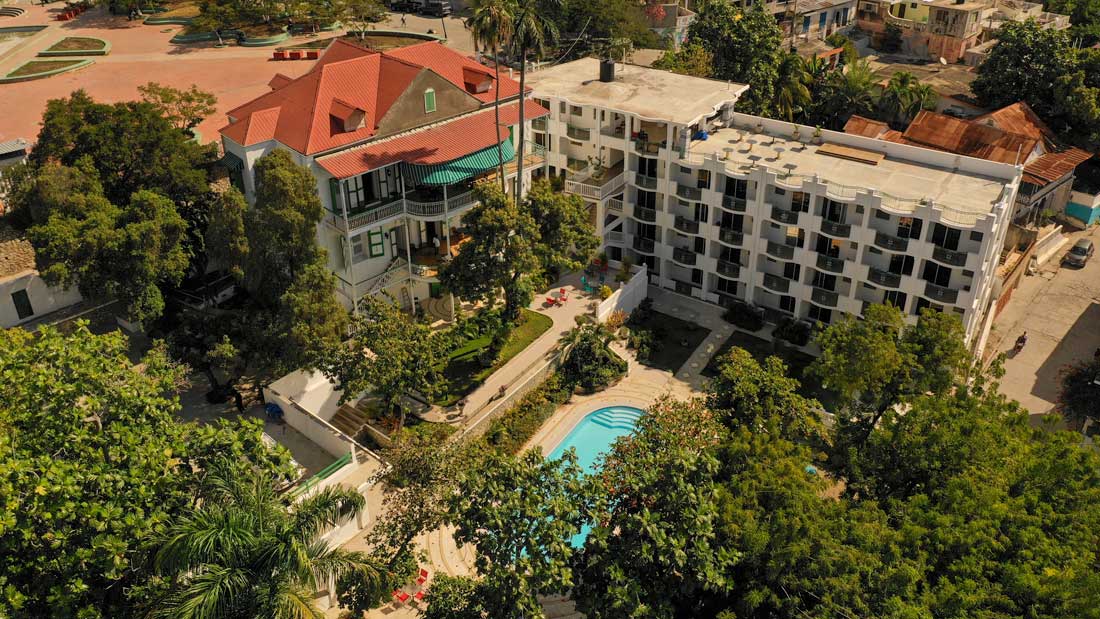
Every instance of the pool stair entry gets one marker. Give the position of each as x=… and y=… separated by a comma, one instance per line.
x=616, y=419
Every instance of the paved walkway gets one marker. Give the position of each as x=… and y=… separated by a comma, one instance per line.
x=1060, y=309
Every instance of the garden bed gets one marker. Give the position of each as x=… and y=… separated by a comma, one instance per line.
x=464, y=372
x=796, y=360
x=378, y=42
x=77, y=46
x=672, y=339
x=39, y=69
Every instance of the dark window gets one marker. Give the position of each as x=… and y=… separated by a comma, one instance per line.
x=702, y=212
x=647, y=199
x=909, y=228
x=727, y=286
x=728, y=254
x=947, y=238
x=786, y=303
x=880, y=214
x=820, y=314
x=22, y=304
x=834, y=211
x=697, y=277
x=976, y=236
x=901, y=265
x=823, y=280
x=895, y=298
x=800, y=201
x=737, y=188
x=647, y=166
x=937, y=274
x=791, y=270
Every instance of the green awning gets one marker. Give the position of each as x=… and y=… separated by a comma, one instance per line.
x=232, y=162
x=460, y=169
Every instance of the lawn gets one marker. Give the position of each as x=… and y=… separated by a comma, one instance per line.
x=76, y=44
x=761, y=349
x=464, y=372
x=673, y=340
x=41, y=66
x=181, y=9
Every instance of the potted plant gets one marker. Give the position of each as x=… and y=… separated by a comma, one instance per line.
x=795, y=134
x=817, y=134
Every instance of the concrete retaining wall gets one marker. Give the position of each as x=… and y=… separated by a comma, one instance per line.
x=627, y=297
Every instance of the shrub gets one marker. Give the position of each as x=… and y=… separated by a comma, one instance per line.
x=590, y=364
x=745, y=316
x=510, y=431
x=794, y=331
x=606, y=292
x=641, y=340
x=616, y=320
x=642, y=313
x=624, y=273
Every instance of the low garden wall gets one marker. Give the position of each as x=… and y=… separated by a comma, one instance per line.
x=103, y=51
x=627, y=297
x=9, y=79
x=398, y=33
x=229, y=35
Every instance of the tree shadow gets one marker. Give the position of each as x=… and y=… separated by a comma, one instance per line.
x=1078, y=343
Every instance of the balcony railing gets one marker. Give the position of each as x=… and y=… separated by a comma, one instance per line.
x=683, y=224
x=439, y=208
x=947, y=256
x=688, y=192
x=783, y=215
x=644, y=214
x=884, y=278
x=369, y=217
x=539, y=124
x=595, y=189
x=832, y=228
x=645, y=182
x=729, y=269
x=646, y=147
x=830, y=264
x=734, y=203
x=684, y=256
x=578, y=133
x=891, y=242
x=776, y=283
x=615, y=204
x=730, y=237
x=615, y=237
x=643, y=244
x=940, y=293
x=824, y=297
x=779, y=250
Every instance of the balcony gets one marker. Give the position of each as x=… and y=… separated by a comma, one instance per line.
x=369, y=217
x=734, y=203
x=828, y=298
x=891, y=242
x=645, y=182
x=941, y=293
x=688, y=192
x=830, y=264
x=615, y=204
x=648, y=147
x=644, y=214
x=884, y=278
x=776, y=283
x=730, y=237
x=688, y=226
x=421, y=204
x=614, y=237
x=947, y=256
x=643, y=245
x=779, y=250
x=785, y=216
x=539, y=124
x=729, y=269
x=597, y=185
x=684, y=256
x=837, y=230
x=578, y=134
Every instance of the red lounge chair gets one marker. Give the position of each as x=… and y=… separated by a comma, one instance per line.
x=419, y=597
x=400, y=597
x=279, y=55
x=423, y=576
x=313, y=54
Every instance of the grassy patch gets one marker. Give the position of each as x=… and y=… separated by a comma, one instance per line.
x=673, y=340
x=76, y=44
x=41, y=66
x=181, y=9
x=761, y=349
x=259, y=31
x=464, y=371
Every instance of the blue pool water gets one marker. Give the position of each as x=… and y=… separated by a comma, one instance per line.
x=592, y=437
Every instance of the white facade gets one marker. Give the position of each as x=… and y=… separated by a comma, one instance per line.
x=28, y=291
x=758, y=214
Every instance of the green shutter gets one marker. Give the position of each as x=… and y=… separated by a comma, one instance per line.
x=334, y=192
x=376, y=243
x=429, y=101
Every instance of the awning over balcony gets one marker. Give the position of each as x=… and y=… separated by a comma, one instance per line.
x=460, y=169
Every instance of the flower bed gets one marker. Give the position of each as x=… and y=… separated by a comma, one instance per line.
x=77, y=46
x=39, y=69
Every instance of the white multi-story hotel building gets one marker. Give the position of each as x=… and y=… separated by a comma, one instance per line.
x=723, y=206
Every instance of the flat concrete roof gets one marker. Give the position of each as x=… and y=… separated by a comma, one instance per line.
x=650, y=93
x=908, y=180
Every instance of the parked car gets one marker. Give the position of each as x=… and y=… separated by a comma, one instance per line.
x=405, y=6
x=437, y=8
x=1080, y=253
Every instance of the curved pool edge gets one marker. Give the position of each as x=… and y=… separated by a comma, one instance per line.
x=562, y=422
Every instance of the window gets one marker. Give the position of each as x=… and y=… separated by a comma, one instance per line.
x=786, y=303
x=822, y=17
x=730, y=255
x=703, y=179
x=648, y=199
x=976, y=236
x=880, y=214
x=895, y=298
x=356, y=192
x=909, y=228
x=820, y=314
x=702, y=211
x=823, y=280
x=834, y=211
x=936, y=274
x=376, y=243
x=806, y=24
x=22, y=304
x=429, y=101
x=901, y=265
x=947, y=238
x=727, y=286
x=697, y=277
x=575, y=110
x=800, y=201
x=358, y=248
x=791, y=270
x=736, y=187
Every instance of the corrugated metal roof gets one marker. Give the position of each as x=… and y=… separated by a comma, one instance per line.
x=1055, y=165
x=868, y=128
x=432, y=145
x=1018, y=118
x=968, y=138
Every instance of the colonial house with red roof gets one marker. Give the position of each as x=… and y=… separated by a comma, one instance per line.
x=396, y=141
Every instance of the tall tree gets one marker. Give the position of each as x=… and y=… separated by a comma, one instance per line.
x=1079, y=396
x=531, y=30
x=1025, y=64
x=691, y=59
x=390, y=355
x=94, y=462
x=842, y=93
x=185, y=109
x=520, y=514
x=244, y=551
x=490, y=23
x=566, y=239
x=792, y=91
x=360, y=14
x=745, y=44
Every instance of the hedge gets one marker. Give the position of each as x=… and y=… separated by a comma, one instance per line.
x=511, y=431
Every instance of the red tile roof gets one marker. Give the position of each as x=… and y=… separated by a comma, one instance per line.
x=866, y=127
x=359, y=78
x=968, y=138
x=437, y=144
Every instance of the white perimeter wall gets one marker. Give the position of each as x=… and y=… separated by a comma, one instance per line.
x=627, y=297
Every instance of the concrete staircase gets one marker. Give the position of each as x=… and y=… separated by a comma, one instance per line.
x=349, y=420
x=11, y=11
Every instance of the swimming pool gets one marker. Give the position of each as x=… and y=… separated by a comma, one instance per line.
x=593, y=437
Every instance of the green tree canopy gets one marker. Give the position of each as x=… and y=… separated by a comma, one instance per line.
x=93, y=463
x=184, y=109
x=745, y=45
x=566, y=240
x=691, y=59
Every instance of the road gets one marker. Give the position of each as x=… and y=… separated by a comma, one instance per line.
x=1059, y=308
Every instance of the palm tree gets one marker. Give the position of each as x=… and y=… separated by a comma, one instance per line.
x=244, y=551
x=531, y=31
x=792, y=88
x=896, y=99
x=491, y=25
x=854, y=92
x=922, y=97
